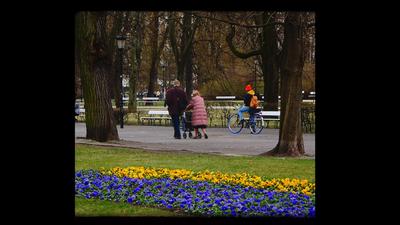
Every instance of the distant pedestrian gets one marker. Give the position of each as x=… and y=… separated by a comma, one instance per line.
x=199, y=114
x=176, y=101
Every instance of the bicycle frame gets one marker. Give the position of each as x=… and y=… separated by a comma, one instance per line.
x=246, y=123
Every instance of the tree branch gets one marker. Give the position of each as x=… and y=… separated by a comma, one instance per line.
x=267, y=24
x=229, y=40
x=172, y=38
x=190, y=39
x=164, y=38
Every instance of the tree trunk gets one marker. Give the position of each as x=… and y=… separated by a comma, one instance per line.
x=185, y=50
x=189, y=73
x=180, y=69
x=136, y=61
x=94, y=62
x=78, y=83
x=155, y=54
x=270, y=66
x=188, y=55
x=115, y=73
x=290, y=134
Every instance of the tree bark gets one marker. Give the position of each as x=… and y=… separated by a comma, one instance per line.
x=153, y=62
x=270, y=66
x=114, y=78
x=189, y=74
x=155, y=54
x=185, y=50
x=174, y=46
x=242, y=55
x=290, y=134
x=136, y=60
x=188, y=53
x=94, y=63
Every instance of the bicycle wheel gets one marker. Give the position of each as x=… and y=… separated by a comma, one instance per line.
x=258, y=126
x=234, y=124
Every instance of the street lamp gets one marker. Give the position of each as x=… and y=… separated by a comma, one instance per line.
x=121, y=44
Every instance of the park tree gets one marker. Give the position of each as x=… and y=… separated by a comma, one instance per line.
x=136, y=57
x=289, y=62
x=290, y=133
x=215, y=67
x=182, y=29
x=156, y=48
x=266, y=54
x=116, y=23
x=94, y=61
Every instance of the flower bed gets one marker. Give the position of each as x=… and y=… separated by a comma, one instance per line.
x=283, y=185
x=193, y=196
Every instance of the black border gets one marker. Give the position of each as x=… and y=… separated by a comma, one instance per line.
x=61, y=70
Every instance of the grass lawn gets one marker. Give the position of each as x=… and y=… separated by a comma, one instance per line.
x=93, y=157
x=95, y=207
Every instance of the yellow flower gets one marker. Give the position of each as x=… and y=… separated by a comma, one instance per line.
x=244, y=179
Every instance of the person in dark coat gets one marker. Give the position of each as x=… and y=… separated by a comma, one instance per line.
x=176, y=101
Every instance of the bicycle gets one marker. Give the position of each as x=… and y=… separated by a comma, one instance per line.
x=235, y=126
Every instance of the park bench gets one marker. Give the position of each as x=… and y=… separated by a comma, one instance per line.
x=309, y=97
x=270, y=116
x=216, y=107
x=225, y=97
x=156, y=116
x=148, y=101
x=81, y=116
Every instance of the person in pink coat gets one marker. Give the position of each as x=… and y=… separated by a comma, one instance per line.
x=199, y=114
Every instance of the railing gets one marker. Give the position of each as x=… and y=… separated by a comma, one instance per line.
x=217, y=111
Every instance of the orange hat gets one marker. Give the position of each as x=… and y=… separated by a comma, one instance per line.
x=248, y=87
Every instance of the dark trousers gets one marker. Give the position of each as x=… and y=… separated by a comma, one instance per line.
x=175, y=123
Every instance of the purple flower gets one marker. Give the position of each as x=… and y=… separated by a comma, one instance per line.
x=194, y=196
x=130, y=199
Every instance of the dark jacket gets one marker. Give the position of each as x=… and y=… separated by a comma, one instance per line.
x=176, y=101
x=247, y=99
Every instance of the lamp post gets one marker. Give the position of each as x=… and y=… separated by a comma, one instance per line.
x=121, y=44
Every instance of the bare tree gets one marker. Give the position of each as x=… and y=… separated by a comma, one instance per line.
x=156, y=49
x=137, y=40
x=290, y=134
x=184, y=53
x=94, y=62
x=115, y=23
x=266, y=54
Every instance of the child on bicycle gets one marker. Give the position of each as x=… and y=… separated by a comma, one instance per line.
x=246, y=107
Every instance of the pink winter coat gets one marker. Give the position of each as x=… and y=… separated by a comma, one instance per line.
x=199, y=114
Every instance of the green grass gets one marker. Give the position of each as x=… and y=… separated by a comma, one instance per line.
x=93, y=157
x=95, y=207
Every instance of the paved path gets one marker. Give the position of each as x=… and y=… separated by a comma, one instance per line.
x=220, y=141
